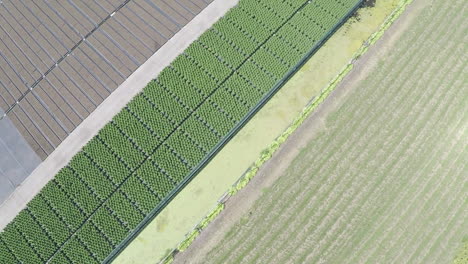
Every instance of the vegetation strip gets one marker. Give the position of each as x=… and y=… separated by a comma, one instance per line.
x=136, y=164
x=462, y=255
x=268, y=153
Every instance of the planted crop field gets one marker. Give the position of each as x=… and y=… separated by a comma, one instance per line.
x=381, y=170
x=129, y=171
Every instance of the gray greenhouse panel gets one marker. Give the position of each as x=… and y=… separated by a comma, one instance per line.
x=60, y=59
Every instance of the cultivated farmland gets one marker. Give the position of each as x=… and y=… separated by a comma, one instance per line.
x=136, y=163
x=382, y=178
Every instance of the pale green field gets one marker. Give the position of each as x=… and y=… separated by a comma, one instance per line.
x=462, y=255
x=384, y=180
x=199, y=197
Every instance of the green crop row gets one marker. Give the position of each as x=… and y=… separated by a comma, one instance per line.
x=164, y=133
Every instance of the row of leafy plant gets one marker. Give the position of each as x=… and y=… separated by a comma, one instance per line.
x=166, y=131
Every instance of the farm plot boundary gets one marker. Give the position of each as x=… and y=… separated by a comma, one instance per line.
x=270, y=237
x=133, y=156
x=220, y=145
x=268, y=153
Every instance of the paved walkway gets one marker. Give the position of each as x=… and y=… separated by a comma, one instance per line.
x=17, y=159
x=110, y=107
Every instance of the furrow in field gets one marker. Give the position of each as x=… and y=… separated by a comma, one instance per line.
x=368, y=230
x=382, y=238
x=286, y=232
x=443, y=252
x=404, y=232
x=439, y=251
x=355, y=248
x=300, y=190
x=379, y=130
x=349, y=184
x=420, y=226
x=417, y=241
x=338, y=254
x=433, y=229
x=361, y=243
x=402, y=227
x=404, y=140
x=365, y=110
x=391, y=68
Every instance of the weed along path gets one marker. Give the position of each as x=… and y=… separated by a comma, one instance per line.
x=378, y=173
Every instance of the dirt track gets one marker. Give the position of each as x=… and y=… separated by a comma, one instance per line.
x=346, y=187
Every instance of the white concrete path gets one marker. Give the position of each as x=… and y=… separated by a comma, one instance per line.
x=110, y=107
